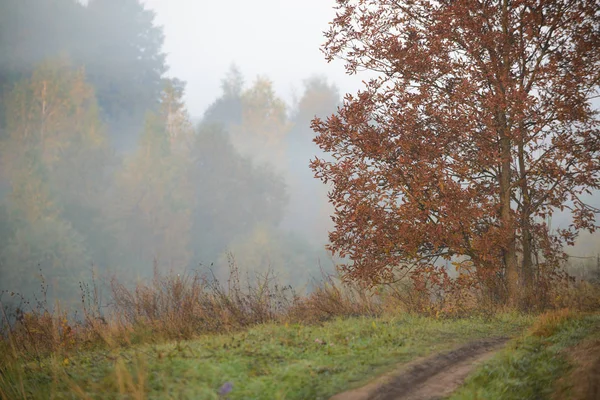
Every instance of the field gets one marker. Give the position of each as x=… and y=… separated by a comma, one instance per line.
x=335, y=342
x=271, y=361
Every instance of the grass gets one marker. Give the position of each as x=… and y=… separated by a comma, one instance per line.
x=187, y=336
x=270, y=361
x=531, y=366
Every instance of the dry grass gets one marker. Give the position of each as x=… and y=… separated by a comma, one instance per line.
x=549, y=322
x=332, y=298
x=579, y=295
x=171, y=307
x=184, y=306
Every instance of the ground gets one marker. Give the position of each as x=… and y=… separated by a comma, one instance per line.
x=509, y=356
x=432, y=377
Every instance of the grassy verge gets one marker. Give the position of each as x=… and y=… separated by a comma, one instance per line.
x=532, y=366
x=270, y=361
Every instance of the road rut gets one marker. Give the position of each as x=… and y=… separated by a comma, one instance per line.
x=434, y=377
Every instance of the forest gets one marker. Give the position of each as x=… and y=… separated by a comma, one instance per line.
x=103, y=168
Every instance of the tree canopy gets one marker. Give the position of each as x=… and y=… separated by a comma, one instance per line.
x=478, y=127
x=125, y=63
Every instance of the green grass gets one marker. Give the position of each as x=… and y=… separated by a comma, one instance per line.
x=529, y=367
x=266, y=362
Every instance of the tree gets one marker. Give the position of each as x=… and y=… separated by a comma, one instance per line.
x=233, y=194
x=52, y=155
x=227, y=109
x=30, y=33
x=265, y=249
x=478, y=126
x=264, y=126
x=153, y=215
x=125, y=62
x=115, y=40
x=54, y=129
x=309, y=210
x=319, y=98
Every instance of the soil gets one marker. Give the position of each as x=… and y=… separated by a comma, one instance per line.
x=430, y=378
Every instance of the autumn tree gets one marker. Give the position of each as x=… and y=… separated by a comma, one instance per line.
x=30, y=33
x=263, y=127
x=152, y=217
x=116, y=41
x=52, y=154
x=478, y=126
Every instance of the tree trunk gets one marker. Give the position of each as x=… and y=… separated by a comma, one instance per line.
x=526, y=238
x=506, y=219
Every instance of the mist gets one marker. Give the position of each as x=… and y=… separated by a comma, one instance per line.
x=114, y=165
x=166, y=136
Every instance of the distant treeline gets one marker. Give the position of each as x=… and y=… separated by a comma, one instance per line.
x=100, y=164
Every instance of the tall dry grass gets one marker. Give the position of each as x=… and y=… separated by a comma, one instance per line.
x=181, y=306
x=170, y=307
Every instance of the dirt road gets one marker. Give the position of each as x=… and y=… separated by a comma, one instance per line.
x=430, y=378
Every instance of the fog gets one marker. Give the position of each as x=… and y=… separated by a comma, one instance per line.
x=167, y=136
x=278, y=39
x=170, y=135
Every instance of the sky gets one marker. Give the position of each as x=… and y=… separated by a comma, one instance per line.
x=280, y=39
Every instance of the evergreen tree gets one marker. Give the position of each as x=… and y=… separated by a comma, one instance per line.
x=227, y=109
x=234, y=195
x=125, y=62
